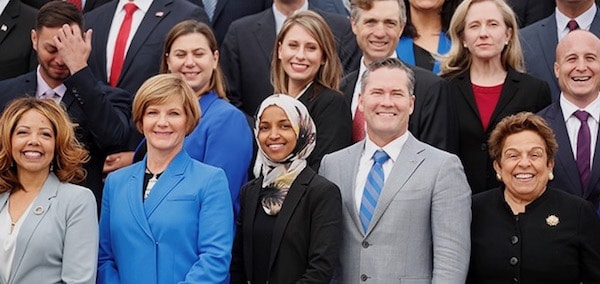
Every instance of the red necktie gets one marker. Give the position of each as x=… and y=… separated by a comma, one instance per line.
x=120, y=44
x=572, y=25
x=358, y=126
x=77, y=3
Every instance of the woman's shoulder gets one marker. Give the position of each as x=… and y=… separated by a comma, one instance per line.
x=318, y=183
x=75, y=193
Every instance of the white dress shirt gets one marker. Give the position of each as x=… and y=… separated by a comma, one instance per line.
x=280, y=17
x=573, y=124
x=365, y=163
x=138, y=15
x=584, y=21
x=43, y=87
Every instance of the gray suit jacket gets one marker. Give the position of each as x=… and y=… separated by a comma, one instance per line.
x=58, y=240
x=539, y=42
x=420, y=231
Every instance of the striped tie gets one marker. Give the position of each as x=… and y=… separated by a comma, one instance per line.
x=372, y=189
x=209, y=7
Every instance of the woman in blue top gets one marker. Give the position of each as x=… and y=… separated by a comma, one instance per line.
x=223, y=138
x=424, y=36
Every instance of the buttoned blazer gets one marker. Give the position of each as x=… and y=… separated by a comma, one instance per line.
x=58, y=240
x=432, y=120
x=420, y=230
x=17, y=56
x=566, y=174
x=183, y=232
x=539, y=42
x=100, y=112
x=144, y=54
x=520, y=92
x=247, y=51
x=305, y=235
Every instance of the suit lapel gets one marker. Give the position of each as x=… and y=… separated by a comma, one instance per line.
x=509, y=90
x=39, y=209
x=297, y=190
x=548, y=37
x=167, y=182
x=101, y=38
x=250, y=203
x=158, y=10
x=466, y=91
x=265, y=33
x=595, y=174
x=348, y=180
x=8, y=18
x=348, y=89
x=564, y=158
x=134, y=197
x=218, y=10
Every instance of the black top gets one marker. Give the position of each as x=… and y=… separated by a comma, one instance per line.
x=262, y=235
x=423, y=58
x=557, y=240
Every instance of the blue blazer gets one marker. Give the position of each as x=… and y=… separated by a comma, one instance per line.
x=58, y=239
x=566, y=175
x=182, y=233
x=223, y=139
x=406, y=51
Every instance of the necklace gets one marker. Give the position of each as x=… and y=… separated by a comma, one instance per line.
x=151, y=182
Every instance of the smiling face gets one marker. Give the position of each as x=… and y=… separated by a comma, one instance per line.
x=191, y=57
x=577, y=67
x=377, y=30
x=33, y=141
x=276, y=135
x=300, y=55
x=164, y=126
x=524, y=165
x=486, y=33
x=386, y=103
x=52, y=67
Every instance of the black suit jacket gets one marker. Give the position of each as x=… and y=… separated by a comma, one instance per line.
x=531, y=11
x=333, y=119
x=17, y=56
x=521, y=92
x=145, y=52
x=100, y=112
x=88, y=6
x=305, y=239
x=432, y=120
x=566, y=175
x=247, y=51
x=228, y=11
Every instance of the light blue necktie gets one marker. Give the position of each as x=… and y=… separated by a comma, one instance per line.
x=372, y=189
x=209, y=7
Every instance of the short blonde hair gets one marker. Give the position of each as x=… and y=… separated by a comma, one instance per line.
x=459, y=59
x=165, y=88
x=69, y=153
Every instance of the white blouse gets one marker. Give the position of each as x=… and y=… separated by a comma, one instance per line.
x=8, y=239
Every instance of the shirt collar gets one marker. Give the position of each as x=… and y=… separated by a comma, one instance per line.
x=584, y=20
x=568, y=108
x=42, y=86
x=393, y=148
x=142, y=5
x=280, y=17
x=3, y=4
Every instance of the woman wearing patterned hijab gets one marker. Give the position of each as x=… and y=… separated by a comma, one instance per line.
x=289, y=221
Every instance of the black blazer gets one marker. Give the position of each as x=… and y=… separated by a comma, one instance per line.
x=333, y=119
x=100, y=112
x=17, y=56
x=566, y=175
x=305, y=236
x=521, y=92
x=247, y=51
x=531, y=11
x=432, y=121
x=228, y=11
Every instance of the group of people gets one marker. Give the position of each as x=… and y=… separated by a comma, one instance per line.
x=366, y=167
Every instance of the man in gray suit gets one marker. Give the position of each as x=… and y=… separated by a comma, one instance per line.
x=406, y=217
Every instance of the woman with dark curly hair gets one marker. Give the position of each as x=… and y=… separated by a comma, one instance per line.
x=48, y=226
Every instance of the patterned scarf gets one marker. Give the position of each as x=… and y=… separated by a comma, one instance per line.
x=278, y=176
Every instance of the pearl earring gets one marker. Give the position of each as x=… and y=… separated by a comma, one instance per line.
x=498, y=177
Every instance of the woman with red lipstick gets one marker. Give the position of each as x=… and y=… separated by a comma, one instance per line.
x=48, y=226
x=288, y=228
x=306, y=66
x=525, y=232
x=224, y=138
x=485, y=72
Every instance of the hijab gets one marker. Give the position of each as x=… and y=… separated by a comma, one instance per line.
x=278, y=176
